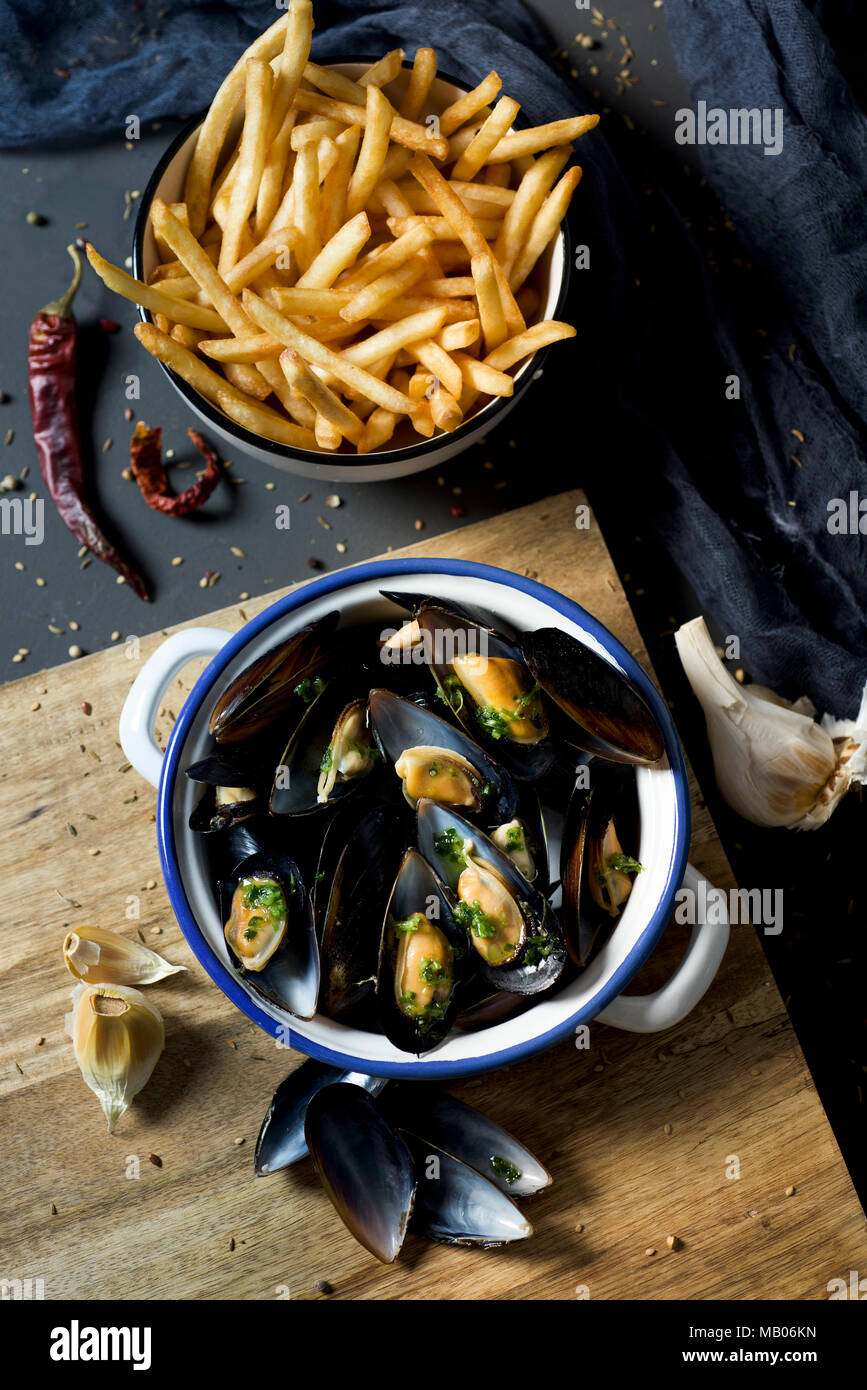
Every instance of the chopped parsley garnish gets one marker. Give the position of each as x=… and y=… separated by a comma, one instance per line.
x=407, y=1000
x=263, y=895
x=495, y=722
x=433, y=769
x=624, y=864
x=252, y=929
x=449, y=845
x=308, y=689
x=406, y=924
x=475, y=919
x=514, y=839
x=431, y=971
x=504, y=1169
x=538, y=949
x=528, y=697
x=453, y=693
x=325, y=765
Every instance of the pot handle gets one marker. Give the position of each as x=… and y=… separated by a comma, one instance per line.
x=650, y=1013
x=148, y=689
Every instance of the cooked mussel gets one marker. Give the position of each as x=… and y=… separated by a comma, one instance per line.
x=420, y=959
x=440, y=1118
x=270, y=685
x=362, y=883
x=281, y=1140
x=482, y=677
x=366, y=1167
x=268, y=926
x=606, y=713
x=436, y=760
x=329, y=754
x=598, y=862
x=511, y=926
x=234, y=778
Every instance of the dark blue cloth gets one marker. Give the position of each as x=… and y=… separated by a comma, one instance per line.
x=667, y=313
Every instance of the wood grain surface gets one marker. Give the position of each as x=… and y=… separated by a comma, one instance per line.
x=639, y=1132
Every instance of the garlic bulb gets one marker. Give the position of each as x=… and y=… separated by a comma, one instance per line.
x=117, y=1036
x=98, y=956
x=774, y=764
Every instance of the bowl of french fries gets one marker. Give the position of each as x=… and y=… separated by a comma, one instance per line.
x=350, y=271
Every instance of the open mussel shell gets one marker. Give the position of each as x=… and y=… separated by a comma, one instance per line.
x=286, y=973
x=482, y=678
x=220, y=807
x=524, y=839
x=235, y=779
x=281, y=1140
x=435, y=759
x=421, y=959
x=366, y=1167
x=330, y=754
x=360, y=889
x=456, y=1205
x=436, y=1117
x=600, y=839
x=481, y=1007
x=267, y=687
x=606, y=714
x=514, y=932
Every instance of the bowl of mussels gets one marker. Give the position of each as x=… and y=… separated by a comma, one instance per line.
x=420, y=819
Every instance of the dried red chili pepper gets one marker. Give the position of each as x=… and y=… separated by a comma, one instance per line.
x=51, y=376
x=150, y=474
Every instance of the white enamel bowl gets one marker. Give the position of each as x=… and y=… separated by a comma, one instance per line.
x=408, y=452
x=662, y=791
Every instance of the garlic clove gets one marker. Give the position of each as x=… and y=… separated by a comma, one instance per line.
x=774, y=764
x=98, y=956
x=117, y=1036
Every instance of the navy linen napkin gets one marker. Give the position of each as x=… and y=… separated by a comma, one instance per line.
x=665, y=318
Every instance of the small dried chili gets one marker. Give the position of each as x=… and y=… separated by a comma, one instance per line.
x=149, y=472
x=51, y=375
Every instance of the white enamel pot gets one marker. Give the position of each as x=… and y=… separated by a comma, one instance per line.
x=596, y=994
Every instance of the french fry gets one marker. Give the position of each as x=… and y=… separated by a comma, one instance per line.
x=271, y=185
x=298, y=300
x=541, y=137
x=252, y=349
x=489, y=301
x=378, y=429
x=454, y=336
x=403, y=132
x=314, y=131
x=438, y=362
x=178, y=310
x=293, y=59
x=545, y=226
x=498, y=176
x=333, y=84
x=384, y=71
x=481, y=376
x=445, y=410
x=332, y=203
x=277, y=324
x=214, y=387
x=180, y=212
x=527, y=343
x=424, y=70
x=456, y=310
x=374, y=145
x=324, y=401
x=449, y=204
x=470, y=104
x=328, y=436
x=260, y=419
x=418, y=202
x=390, y=256
x=412, y=329
x=340, y=252
x=531, y=193
x=495, y=127
x=212, y=133
x=448, y=287
x=190, y=337
x=251, y=161
x=443, y=228
x=368, y=302
x=305, y=212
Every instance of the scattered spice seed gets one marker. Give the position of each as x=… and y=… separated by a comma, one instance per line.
x=115, y=637
x=798, y=435
x=790, y=1191
x=19, y=565
x=74, y=627
x=93, y=852
x=19, y=1069
x=650, y=1250
x=332, y=500
x=86, y=707
x=35, y=219
x=178, y=560
x=151, y=883
x=109, y=326
x=239, y=1141
x=666, y=1129
x=579, y=1228
x=341, y=547
x=17, y=657
x=796, y=460
x=418, y=524
x=270, y=486
x=155, y=1160
x=323, y=522
x=128, y=414
x=673, y=1242
x=237, y=551
x=458, y=510
x=315, y=564
x=53, y=1209
x=156, y=931
x=10, y=435
x=231, y=1242
x=71, y=828
x=323, y=1286
x=107, y=445
x=35, y=706
x=305, y=498
x=233, y=1045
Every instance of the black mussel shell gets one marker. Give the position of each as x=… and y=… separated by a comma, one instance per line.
x=297, y=779
x=337, y=832
x=437, y=1117
x=399, y=724
x=267, y=688
x=359, y=891
x=485, y=1008
x=606, y=713
x=611, y=795
x=447, y=635
x=541, y=956
x=456, y=1205
x=290, y=979
x=210, y=815
x=417, y=891
x=281, y=1140
x=365, y=1167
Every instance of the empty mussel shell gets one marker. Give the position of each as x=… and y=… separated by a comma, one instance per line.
x=421, y=959
x=365, y=1167
x=606, y=714
x=456, y=1205
x=270, y=685
x=437, y=760
x=482, y=677
x=221, y=807
x=439, y=1118
x=268, y=925
x=281, y=1140
x=598, y=852
x=329, y=755
x=514, y=931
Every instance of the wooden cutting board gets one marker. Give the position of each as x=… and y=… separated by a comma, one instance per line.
x=695, y=1133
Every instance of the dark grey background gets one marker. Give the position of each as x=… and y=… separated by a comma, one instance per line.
x=533, y=454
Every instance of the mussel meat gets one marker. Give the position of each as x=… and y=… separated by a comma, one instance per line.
x=597, y=861
x=268, y=926
x=329, y=754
